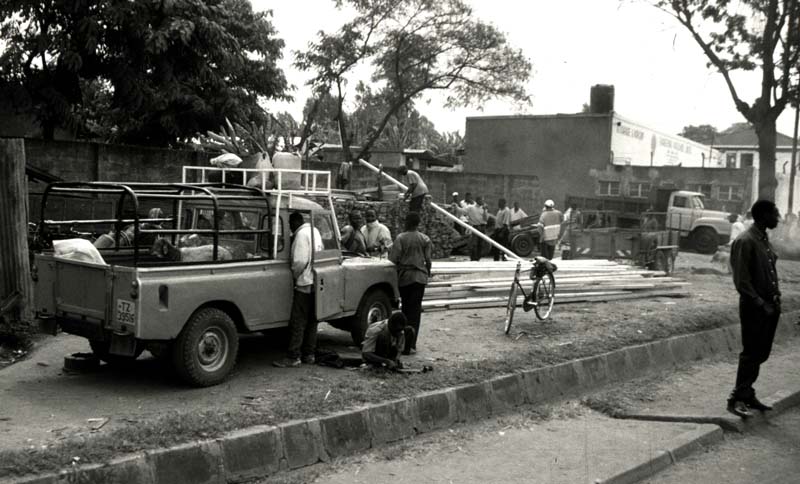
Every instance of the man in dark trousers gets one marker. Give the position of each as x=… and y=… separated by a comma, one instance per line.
x=302, y=320
x=417, y=189
x=411, y=253
x=756, y=280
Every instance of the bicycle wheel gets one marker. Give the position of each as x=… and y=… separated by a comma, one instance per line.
x=511, y=305
x=544, y=295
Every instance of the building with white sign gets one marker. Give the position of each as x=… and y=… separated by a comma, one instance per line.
x=635, y=144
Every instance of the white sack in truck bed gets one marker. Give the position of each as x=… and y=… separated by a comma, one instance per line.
x=77, y=249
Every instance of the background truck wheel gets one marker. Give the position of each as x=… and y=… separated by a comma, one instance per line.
x=522, y=244
x=374, y=306
x=705, y=240
x=100, y=350
x=205, y=351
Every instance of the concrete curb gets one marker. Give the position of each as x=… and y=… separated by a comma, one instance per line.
x=679, y=448
x=265, y=450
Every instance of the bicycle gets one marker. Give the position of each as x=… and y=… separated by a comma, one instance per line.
x=542, y=295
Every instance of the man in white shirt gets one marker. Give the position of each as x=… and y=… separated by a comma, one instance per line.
x=737, y=227
x=516, y=215
x=377, y=236
x=477, y=216
x=302, y=321
x=417, y=189
x=502, y=224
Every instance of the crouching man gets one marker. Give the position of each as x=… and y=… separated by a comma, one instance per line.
x=385, y=340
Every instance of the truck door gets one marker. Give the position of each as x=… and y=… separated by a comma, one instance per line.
x=327, y=268
x=680, y=213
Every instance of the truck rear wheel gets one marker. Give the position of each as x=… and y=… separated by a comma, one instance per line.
x=206, y=349
x=705, y=240
x=374, y=306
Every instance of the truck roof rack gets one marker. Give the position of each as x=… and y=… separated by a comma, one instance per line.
x=177, y=193
x=275, y=181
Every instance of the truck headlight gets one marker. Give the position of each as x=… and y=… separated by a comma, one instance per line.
x=134, y=289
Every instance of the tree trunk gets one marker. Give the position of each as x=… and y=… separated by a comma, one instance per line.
x=767, y=137
x=14, y=264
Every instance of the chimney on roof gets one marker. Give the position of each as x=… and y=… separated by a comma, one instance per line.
x=601, y=99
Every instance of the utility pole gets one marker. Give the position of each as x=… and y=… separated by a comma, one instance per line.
x=793, y=168
x=16, y=288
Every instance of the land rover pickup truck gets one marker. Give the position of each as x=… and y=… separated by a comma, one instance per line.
x=193, y=311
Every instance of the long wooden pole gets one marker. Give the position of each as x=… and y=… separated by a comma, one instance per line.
x=443, y=211
x=14, y=264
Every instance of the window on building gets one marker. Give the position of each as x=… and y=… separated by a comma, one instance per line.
x=730, y=192
x=639, y=190
x=609, y=188
x=703, y=188
x=730, y=160
x=746, y=160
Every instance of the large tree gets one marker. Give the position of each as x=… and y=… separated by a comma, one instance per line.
x=750, y=35
x=413, y=47
x=149, y=71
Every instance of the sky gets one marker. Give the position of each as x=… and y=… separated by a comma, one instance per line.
x=659, y=73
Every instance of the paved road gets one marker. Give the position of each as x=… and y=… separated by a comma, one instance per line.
x=767, y=455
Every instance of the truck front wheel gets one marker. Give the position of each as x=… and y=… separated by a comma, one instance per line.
x=205, y=351
x=705, y=240
x=374, y=306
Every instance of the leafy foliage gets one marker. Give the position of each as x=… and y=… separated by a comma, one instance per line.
x=704, y=133
x=150, y=71
x=750, y=35
x=413, y=46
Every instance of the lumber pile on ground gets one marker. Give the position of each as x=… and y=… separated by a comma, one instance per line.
x=457, y=285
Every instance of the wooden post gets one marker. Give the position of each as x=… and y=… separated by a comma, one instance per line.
x=14, y=266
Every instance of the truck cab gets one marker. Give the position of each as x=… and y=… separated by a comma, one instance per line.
x=706, y=229
x=224, y=271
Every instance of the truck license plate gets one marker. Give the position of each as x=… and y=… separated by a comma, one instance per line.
x=126, y=312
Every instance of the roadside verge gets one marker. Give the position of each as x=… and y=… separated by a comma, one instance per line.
x=266, y=450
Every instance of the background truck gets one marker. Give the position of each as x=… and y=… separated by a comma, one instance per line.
x=192, y=312
x=679, y=210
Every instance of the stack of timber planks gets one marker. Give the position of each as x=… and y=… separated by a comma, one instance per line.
x=457, y=285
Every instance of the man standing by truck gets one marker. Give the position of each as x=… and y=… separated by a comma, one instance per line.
x=756, y=280
x=303, y=318
x=550, y=224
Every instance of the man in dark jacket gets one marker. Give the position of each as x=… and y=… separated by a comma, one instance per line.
x=756, y=280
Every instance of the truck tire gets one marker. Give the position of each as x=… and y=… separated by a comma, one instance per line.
x=206, y=349
x=100, y=348
x=522, y=245
x=374, y=306
x=705, y=240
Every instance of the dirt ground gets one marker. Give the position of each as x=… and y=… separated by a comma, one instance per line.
x=50, y=416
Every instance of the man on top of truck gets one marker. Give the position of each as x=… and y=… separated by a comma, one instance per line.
x=303, y=320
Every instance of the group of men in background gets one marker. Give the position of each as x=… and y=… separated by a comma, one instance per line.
x=501, y=227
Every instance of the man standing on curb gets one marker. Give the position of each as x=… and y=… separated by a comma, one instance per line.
x=756, y=280
x=303, y=318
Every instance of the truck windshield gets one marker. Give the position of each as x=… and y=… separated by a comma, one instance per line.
x=697, y=202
